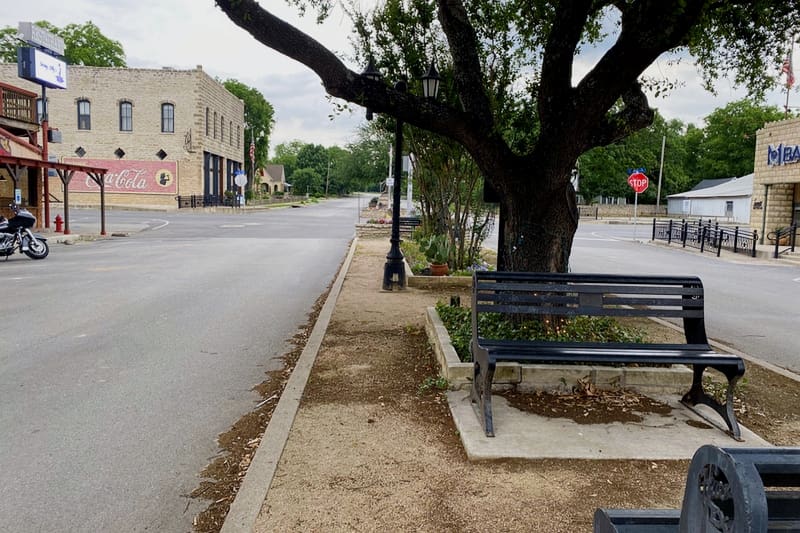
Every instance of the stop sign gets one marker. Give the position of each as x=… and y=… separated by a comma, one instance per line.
x=638, y=182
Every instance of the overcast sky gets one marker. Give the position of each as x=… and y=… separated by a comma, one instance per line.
x=185, y=33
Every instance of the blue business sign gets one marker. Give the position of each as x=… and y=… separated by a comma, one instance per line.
x=783, y=154
x=41, y=68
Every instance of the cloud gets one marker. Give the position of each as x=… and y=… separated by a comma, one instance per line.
x=185, y=33
x=302, y=110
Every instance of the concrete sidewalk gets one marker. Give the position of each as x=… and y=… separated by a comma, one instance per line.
x=520, y=435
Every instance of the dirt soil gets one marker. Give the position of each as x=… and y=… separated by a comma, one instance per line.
x=374, y=447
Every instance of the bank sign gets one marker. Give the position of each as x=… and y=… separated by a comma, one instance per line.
x=783, y=154
x=128, y=177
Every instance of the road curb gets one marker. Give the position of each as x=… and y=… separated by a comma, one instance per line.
x=247, y=505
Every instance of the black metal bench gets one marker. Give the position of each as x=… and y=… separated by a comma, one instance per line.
x=566, y=295
x=727, y=489
x=409, y=224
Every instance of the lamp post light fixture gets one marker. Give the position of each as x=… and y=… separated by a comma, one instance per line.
x=371, y=73
x=430, y=82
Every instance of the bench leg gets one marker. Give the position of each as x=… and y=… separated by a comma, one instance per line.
x=481, y=394
x=698, y=395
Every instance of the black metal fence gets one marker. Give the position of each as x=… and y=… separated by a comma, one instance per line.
x=706, y=235
x=785, y=237
x=208, y=200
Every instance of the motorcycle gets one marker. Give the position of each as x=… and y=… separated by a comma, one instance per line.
x=15, y=234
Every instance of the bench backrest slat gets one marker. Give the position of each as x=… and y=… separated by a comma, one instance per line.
x=583, y=311
x=557, y=294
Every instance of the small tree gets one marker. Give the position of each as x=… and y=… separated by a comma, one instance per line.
x=259, y=119
x=450, y=189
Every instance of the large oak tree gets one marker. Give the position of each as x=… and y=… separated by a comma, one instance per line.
x=742, y=38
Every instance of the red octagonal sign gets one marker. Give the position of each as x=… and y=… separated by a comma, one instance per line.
x=638, y=182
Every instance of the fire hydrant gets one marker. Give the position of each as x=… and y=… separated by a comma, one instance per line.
x=59, y=223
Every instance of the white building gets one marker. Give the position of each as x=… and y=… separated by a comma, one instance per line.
x=727, y=202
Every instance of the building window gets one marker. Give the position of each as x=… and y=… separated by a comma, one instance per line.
x=39, y=110
x=84, y=115
x=222, y=128
x=215, y=124
x=167, y=118
x=208, y=122
x=125, y=116
x=238, y=136
x=230, y=131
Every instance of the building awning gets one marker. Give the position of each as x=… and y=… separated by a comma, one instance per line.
x=8, y=160
x=15, y=165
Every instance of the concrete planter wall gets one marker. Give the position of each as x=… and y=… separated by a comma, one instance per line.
x=527, y=378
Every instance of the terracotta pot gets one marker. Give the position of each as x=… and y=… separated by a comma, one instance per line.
x=439, y=269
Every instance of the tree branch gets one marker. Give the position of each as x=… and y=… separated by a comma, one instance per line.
x=635, y=115
x=615, y=75
x=466, y=64
x=556, y=79
x=288, y=40
x=468, y=128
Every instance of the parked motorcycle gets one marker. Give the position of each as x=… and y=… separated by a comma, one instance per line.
x=15, y=234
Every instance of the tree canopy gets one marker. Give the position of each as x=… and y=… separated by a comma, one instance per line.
x=509, y=94
x=259, y=119
x=84, y=44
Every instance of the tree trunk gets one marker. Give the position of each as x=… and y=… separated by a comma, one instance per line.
x=539, y=225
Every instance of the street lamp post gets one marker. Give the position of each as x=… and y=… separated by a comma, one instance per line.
x=394, y=271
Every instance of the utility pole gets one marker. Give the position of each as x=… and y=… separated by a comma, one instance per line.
x=328, y=178
x=660, y=171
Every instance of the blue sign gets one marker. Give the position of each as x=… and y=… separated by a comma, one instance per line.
x=39, y=67
x=640, y=170
x=783, y=154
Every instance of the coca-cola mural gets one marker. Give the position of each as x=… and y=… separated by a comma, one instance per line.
x=123, y=176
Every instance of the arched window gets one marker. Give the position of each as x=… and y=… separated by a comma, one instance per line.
x=84, y=115
x=167, y=118
x=125, y=116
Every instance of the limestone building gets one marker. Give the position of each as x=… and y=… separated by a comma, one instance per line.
x=159, y=132
x=776, y=185
x=273, y=179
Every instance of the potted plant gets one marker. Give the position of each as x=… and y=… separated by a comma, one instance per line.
x=781, y=234
x=437, y=251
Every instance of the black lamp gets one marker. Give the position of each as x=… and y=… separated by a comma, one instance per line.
x=430, y=82
x=371, y=73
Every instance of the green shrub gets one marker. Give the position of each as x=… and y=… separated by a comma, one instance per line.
x=414, y=256
x=458, y=321
x=437, y=249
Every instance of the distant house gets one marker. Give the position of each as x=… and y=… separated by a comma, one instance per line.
x=725, y=199
x=273, y=179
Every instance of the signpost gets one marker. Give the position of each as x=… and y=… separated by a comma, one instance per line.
x=240, y=179
x=39, y=64
x=638, y=182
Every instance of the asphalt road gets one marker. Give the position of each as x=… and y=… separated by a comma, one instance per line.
x=122, y=360
x=751, y=304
